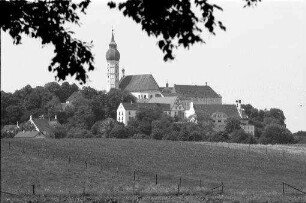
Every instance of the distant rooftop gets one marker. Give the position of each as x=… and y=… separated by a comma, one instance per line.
x=195, y=91
x=137, y=106
x=138, y=83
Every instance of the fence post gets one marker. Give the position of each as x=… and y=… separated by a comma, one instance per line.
x=155, y=179
x=33, y=189
x=134, y=175
x=200, y=183
x=283, y=188
x=178, y=189
x=222, y=187
x=180, y=182
x=86, y=164
x=266, y=150
x=69, y=160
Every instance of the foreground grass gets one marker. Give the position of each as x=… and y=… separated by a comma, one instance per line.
x=248, y=172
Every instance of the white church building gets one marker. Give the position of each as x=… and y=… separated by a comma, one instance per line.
x=181, y=101
x=141, y=86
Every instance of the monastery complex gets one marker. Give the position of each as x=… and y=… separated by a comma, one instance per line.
x=184, y=102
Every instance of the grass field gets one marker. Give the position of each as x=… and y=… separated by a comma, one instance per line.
x=249, y=173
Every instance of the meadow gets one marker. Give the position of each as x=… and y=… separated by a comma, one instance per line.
x=127, y=170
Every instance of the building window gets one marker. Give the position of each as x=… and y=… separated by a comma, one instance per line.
x=145, y=96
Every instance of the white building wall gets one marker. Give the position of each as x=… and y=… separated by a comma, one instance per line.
x=112, y=75
x=147, y=94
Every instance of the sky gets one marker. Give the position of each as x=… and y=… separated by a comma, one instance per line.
x=260, y=59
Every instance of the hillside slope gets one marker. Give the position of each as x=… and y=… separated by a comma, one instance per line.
x=247, y=172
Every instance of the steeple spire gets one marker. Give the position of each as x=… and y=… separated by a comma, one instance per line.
x=113, y=44
x=113, y=39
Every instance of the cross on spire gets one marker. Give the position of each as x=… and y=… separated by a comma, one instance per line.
x=113, y=39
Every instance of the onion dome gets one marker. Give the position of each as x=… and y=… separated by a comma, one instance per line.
x=112, y=53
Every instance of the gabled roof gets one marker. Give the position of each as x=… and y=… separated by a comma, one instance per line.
x=65, y=105
x=137, y=106
x=229, y=109
x=27, y=134
x=44, y=125
x=164, y=100
x=74, y=96
x=138, y=83
x=195, y=91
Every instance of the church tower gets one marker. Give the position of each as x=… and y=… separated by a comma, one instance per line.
x=112, y=58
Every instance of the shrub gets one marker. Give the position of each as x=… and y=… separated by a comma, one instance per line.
x=60, y=132
x=77, y=133
x=157, y=134
x=119, y=131
x=171, y=136
x=276, y=134
x=103, y=128
x=232, y=124
x=218, y=137
x=195, y=136
x=239, y=136
x=140, y=136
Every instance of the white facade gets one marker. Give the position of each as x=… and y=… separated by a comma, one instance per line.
x=112, y=75
x=124, y=116
x=250, y=129
x=147, y=94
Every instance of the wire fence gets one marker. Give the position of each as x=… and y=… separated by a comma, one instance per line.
x=138, y=183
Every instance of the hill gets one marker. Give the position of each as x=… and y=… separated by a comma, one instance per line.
x=58, y=169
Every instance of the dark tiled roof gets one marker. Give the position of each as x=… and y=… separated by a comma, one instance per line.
x=27, y=134
x=74, y=96
x=137, y=106
x=195, y=91
x=44, y=125
x=164, y=100
x=138, y=83
x=229, y=109
x=166, y=89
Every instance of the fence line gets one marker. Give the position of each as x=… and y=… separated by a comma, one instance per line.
x=219, y=186
x=157, y=179
x=286, y=184
x=8, y=193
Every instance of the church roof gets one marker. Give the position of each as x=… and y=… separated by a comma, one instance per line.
x=112, y=53
x=195, y=91
x=164, y=100
x=137, y=106
x=138, y=83
x=229, y=109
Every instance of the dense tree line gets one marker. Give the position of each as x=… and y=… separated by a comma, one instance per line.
x=151, y=123
x=87, y=107
x=92, y=114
